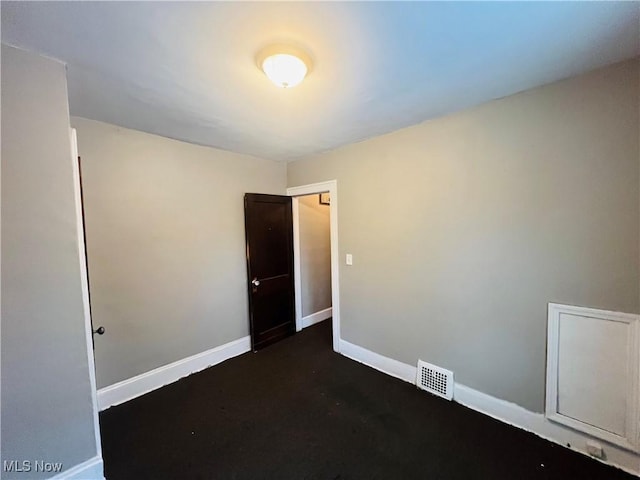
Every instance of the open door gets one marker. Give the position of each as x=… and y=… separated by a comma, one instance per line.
x=269, y=235
x=100, y=330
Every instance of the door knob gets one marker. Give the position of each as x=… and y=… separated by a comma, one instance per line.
x=255, y=282
x=99, y=330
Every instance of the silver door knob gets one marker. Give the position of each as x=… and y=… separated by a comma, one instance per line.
x=255, y=282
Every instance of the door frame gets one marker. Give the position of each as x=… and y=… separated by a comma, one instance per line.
x=330, y=186
x=84, y=284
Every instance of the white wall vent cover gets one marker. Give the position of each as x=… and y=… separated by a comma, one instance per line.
x=435, y=380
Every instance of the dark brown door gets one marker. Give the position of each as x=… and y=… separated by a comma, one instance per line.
x=100, y=330
x=269, y=232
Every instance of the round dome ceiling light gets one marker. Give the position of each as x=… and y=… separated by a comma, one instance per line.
x=284, y=65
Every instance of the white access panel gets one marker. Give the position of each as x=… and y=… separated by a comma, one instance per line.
x=593, y=373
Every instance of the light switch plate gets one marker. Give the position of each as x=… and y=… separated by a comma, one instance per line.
x=349, y=259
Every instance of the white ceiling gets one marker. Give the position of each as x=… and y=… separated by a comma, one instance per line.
x=186, y=70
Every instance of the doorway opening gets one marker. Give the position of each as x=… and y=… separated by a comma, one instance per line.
x=315, y=259
x=308, y=299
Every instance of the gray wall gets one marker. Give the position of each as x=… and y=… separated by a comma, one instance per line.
x=166, y=245
x=315, y=254
x=463, y=228
x=47, y=411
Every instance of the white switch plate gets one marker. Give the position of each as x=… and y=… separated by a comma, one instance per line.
x=349, y=259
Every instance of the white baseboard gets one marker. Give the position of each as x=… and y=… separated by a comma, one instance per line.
x=140, y=384
x=502, y=410
x=536, y=423
x=92, y=469
x=316, y=317
x=379, y=362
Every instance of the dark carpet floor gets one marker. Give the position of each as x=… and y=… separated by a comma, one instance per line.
x=296, y=410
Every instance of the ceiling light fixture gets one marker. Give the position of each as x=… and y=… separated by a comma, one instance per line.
x=284, y=65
